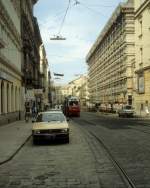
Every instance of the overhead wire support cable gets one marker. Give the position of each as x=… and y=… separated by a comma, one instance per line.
x=58, y=36
x=64, y=17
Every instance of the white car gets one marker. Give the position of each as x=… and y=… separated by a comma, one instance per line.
x=126, y=111
x=50, y=125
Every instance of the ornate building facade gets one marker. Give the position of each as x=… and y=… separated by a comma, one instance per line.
x=10, y=61
x=77, y=87
x=31, y=41
x=20, y=42
x=142, y=57
x=110, y=60
x=44, y=78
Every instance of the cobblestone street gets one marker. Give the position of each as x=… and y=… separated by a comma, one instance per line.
x=74, y=94
x=60, y=165
x=84, y=162
x=56, y=165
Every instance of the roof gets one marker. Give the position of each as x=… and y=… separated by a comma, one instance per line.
x=108, y=25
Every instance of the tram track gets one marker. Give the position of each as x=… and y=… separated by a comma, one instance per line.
x=133, y=128
x=122, y=173
x=139, y=130
x=120, y=170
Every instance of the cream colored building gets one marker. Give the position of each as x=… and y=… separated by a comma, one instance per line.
x=142, y=56
x=44, y=76
x=78, y=88
x=10, y=61
x=109, y=61
x=59, y=98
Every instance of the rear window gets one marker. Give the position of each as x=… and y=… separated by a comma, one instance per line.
x=48, y=117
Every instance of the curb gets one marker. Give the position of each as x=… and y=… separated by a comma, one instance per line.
x=16, y=152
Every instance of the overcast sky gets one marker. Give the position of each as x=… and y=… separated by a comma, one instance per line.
x=82, y=25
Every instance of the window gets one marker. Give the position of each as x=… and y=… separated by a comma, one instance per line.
x=141, y=83
x=140, y=26
x=141, y=56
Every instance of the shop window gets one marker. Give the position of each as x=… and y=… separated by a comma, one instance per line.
x=130, y=99
x=2, y=97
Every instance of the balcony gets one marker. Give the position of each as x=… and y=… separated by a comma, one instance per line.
x=2, y=43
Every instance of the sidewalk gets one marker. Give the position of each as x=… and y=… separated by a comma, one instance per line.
x=12, y=137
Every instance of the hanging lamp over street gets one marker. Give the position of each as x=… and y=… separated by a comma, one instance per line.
x=57, y=37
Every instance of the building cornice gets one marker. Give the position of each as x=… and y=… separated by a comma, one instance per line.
x=6, y=63
x=142, y=7
x=121, y=8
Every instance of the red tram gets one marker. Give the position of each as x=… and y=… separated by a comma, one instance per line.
x=71, y=107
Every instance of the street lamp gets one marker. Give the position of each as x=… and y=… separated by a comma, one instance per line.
x=57, y=37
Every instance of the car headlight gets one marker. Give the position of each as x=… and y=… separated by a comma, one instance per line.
x=36, y=131
x=65, y=130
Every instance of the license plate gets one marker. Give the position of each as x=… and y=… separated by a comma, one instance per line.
x=51, y=137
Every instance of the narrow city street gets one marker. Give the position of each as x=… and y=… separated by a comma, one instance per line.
x=76, y=74
x=86, y=162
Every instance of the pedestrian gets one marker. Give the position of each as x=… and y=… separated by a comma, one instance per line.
x=27, y=113
x=34, y=112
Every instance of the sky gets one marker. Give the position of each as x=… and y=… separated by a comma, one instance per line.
x=81, y=26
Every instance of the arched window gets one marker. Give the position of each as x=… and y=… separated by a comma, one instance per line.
x=7, y=91
x=12, y=99
x=16, y=98
x=19, y=99
x=2, y=97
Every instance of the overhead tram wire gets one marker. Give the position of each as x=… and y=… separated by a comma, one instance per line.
x=58, y=37
x=101, y=5
x=56, y=17
x=91, y=9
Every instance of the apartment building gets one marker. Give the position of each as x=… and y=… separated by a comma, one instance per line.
x=44, y=78
x=10, y=61
x=142, y=57
x=79, y=88
x=110, y=60
x=31, y=41
x=20, y=40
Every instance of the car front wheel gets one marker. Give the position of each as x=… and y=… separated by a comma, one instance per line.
x=67, y=140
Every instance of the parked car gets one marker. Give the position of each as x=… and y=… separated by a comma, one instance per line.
x=50, y=125
x=126, y=111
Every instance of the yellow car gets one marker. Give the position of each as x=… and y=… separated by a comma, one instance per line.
x=50, y=125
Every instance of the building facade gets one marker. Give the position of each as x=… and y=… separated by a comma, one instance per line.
x=77, y=88
x=10, y=61
x=21, y=79
x=110, y=59
x=44, y=77
x=142, y=57
x=31, y=41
